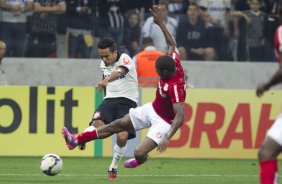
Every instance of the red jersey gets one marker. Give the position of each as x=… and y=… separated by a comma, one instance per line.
x=170, y=91
x=278, y=43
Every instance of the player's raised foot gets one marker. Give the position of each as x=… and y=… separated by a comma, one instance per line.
x=70, y=139
x=131, y=163
x=112, y=174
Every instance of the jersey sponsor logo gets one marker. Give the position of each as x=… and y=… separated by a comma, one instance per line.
x=159, y=135
x=125, y=61
x=217, y=9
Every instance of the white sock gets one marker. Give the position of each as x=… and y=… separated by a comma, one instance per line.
x=117, y=156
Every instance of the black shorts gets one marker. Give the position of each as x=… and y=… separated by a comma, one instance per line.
x=114, y=108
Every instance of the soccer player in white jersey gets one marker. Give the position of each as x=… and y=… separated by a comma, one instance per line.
x=163, y=116
x=121, y=94
x=272, y=144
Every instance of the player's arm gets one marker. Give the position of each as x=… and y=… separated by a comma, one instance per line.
x=178, y=109
x=168, y=36
x=242, y=15
x=120, y=71
x=177, y=122
x=275, y=79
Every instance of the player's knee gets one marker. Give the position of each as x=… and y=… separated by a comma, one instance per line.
x=122, y=138
x=265, y=153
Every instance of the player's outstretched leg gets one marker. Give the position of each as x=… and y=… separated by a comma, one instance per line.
x=70, y=139
x=87, y=135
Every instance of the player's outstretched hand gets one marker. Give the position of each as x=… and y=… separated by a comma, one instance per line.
x=261, y=89
x=163, y=145
x=156, y=14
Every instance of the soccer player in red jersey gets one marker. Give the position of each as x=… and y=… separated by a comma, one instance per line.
x=278, y=43
x=164, y=115
x=272, y=144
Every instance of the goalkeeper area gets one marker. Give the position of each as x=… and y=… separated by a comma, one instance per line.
x=25, y=170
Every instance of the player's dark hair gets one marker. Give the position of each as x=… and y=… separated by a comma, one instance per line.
x=165, y=63
x=147, y=41
x=107, y=42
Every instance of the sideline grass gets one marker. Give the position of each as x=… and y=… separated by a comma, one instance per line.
x=25, y=170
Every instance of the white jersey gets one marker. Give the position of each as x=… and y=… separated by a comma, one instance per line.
x=126, y=86
x=217, y=9
x=9, y=16
x=150, y=29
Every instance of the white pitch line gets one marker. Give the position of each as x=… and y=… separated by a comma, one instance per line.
x=135, y=175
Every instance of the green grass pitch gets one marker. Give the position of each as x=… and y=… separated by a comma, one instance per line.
x=25, y=170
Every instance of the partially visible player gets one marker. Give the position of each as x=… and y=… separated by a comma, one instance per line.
x=3, y=47
x=272, y=144
x=2, y=50
x=163, y=116
x=278, y=42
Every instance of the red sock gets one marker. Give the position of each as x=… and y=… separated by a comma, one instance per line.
x=88, y=135
x=268, y=172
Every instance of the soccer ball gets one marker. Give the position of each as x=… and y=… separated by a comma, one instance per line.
x=51, y=164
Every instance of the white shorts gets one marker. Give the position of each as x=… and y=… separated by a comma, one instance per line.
x=145, y=117
x=275, y=131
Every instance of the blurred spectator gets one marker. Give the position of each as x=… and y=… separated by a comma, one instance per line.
x=111, y=19
x=177, y=7
x=42, y=39
x=0, y=23
x=145, y=64
x=3, y=80
x=240, y=30
x=256, y=34
x=271, y=8
x=137, y=5
x=150, y=29
x=132, y=32
x=192, y=35
x=79, y=28
x=14, y=25
x=217, y=16
x=233, y=37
